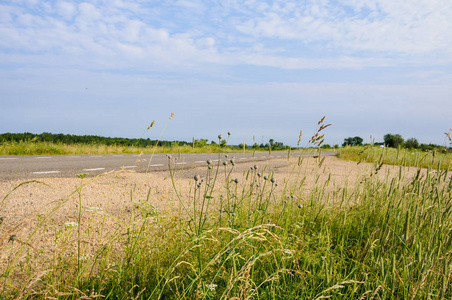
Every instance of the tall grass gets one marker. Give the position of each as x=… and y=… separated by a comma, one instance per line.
x=48, y=148
x=400, y=156
x=250, y=236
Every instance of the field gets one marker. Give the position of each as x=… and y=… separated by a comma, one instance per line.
x=290, y=229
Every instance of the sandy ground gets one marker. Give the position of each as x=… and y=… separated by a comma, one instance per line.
x=39, y=214
x=114, y=193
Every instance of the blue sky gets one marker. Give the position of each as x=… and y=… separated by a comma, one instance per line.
x=255, y=68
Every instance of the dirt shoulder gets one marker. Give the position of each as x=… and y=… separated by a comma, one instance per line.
x=37, y=211
x=115, y=192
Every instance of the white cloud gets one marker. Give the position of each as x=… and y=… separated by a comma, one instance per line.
x=407, y=27
x=354, y=33
x=66, y=9
x=89, y=12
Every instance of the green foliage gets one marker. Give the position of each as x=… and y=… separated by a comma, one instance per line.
x=69, y=139
x=411, y=143
x=47, y=143
x=393, y=140
x=353, y=141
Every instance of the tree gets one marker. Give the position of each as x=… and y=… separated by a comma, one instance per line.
x=200, y=142
x=412, y=143
x=353, y=141
x=393, y=140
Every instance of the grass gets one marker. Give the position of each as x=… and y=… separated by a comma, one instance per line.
x=247, y=236
x=401, y=157
x=47, y=148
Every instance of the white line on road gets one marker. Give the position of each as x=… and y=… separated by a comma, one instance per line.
x=156, y=165
x=128, y=167
x=200, y=161
x=42, y=157
x=8, y=157
x=181, y=163
x=47, y=172
x=96, y=169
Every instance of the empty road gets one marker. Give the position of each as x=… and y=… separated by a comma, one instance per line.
x=29, y=167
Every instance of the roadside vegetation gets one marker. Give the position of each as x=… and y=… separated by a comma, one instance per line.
x=434, y=159
x=396, y=151
x=59, y=144
x=378, y=236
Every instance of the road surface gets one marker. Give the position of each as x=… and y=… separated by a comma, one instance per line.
x=29, y=167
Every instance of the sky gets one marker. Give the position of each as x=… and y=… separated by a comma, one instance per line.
x=258, y=69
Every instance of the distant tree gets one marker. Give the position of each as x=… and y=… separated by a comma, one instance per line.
x=278, y=146
x=353, y=141
x=393, y=140
x=325, y=146
x=411, y=143
x=200, y=142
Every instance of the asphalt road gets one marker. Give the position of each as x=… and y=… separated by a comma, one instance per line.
x=29, y=167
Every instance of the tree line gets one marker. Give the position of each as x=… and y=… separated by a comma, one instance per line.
x=127, y=142
x=84, y=139
x=394, y=141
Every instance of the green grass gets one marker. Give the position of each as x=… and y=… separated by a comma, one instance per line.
x=48, y=148
x=402, y=157
x=383, y=238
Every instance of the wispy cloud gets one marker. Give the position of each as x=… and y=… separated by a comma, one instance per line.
x=352, y=34
x=413, y=27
